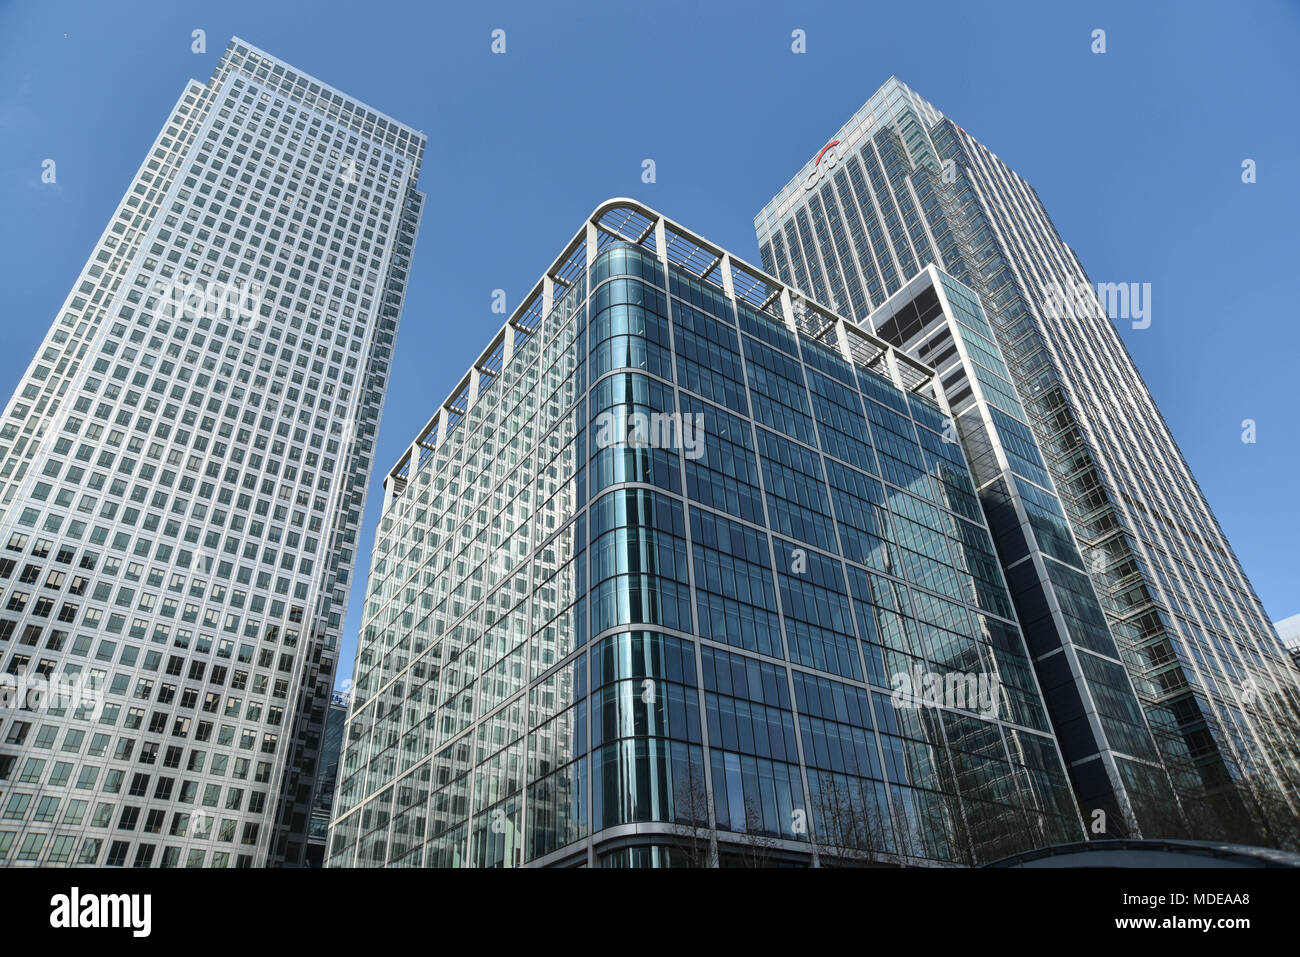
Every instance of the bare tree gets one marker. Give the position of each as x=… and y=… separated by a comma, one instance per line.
x=849, y=829
x=944, y=812
x=908, y=837
x=1283, y=824
x=1255, y=812
x=834, y=825
x=1160, y=814
x=755, y=847
x=693, y=838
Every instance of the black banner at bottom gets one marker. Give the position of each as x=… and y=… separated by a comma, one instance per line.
x=366, y=908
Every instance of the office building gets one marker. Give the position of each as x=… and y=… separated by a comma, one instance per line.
x=183, y=469
x=1103, y=734
x=900, y=187
x=684, y=572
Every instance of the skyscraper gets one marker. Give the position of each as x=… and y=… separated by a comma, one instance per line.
x=1104, y=737
x=901, y=186
x=683, y=572
x=182, y=475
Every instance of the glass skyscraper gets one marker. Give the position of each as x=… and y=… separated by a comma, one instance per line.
x=652, y=585
x=182, y=475
x=899, y=187
x=1102, y=731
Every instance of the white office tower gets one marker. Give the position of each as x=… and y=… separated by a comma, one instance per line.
x=183, y=471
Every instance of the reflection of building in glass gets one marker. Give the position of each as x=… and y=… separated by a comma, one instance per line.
x=577, y=651
x=904, y=187
x=1099, y=723
x=327, y=774
x=182, y=475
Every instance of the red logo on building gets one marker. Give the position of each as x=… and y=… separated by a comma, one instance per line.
x=815, y=175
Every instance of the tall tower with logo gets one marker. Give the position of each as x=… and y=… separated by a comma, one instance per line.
x=903, y=187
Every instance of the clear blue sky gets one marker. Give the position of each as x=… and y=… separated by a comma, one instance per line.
x=1136, y=154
